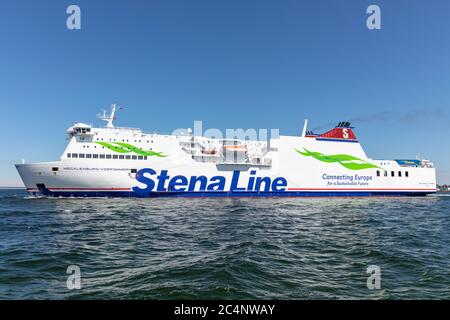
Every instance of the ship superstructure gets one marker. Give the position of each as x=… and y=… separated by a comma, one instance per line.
x=115, y=161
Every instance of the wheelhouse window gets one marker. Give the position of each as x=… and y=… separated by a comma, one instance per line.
x=115, y=156
x=128, y=157
x=121, y=156
x=81, y=155
x=378, y=173
x=134, y=157
x=102, y=156
x=406, y=174
x=95, y=156
x=74, y=155
x=385, y=173
x=140, y=157
x=69, y=155
x=399, y=173
x=108, y=156
x=392, y=173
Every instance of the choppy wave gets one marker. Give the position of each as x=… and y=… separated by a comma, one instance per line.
x=224, y=248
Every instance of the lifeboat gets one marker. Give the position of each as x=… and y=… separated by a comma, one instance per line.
x=236, y=148
x=209, y=151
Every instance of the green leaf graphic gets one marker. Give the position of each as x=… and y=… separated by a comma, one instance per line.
x=345, y=160
x=112, y=147
x=122, y=147
x=139, y=151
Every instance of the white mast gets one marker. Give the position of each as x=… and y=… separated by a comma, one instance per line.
x=109, y=118
x=304, y=128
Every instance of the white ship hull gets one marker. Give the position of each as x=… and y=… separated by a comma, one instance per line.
x=117, y=162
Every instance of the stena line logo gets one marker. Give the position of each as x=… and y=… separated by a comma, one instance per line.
x=345, y=133
x=163, y=182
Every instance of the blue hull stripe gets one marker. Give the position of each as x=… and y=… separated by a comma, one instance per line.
x=200, y=194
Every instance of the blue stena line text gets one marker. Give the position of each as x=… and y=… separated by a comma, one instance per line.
x=179, y=183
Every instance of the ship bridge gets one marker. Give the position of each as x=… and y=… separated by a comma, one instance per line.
x=80, y=130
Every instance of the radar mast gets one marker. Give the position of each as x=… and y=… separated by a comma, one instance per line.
x=109, y=118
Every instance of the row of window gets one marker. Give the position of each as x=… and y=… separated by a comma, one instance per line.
x=386, y=174
x=54, y=169
x=95, y=147
x=123, y=140
x=105, y=156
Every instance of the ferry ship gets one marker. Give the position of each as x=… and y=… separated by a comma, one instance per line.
x=127, y=162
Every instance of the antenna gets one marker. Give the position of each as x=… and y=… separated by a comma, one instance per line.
x=109, y=118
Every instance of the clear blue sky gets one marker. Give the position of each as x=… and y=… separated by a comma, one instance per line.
x=230, y=63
